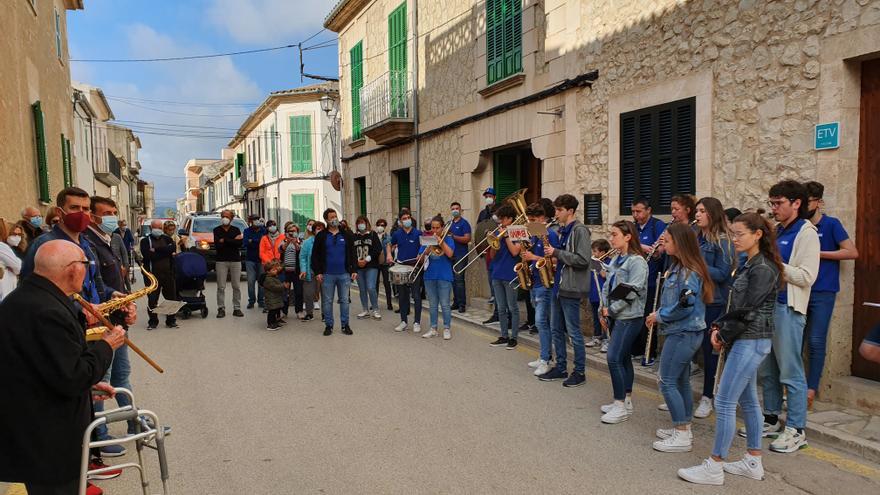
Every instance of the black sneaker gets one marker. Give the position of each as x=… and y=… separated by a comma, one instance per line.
x=502, y=341
x=461, y=309
x=552, y=375
x=238, y=313
x=533, y=330
x=151, y=325
x=250, y=306
x=221, y=313
x=308, y=317
x=273, y=327
x=328, y=331
x=524, y=327
x=576, y=379
x=171, y=324
x=511, y=344
x=347, y=330
x=648, y=363
x=493, y=319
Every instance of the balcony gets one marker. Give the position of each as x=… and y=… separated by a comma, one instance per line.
x=386, y=107
x=109, y=172
x=249, y=180
x=134, y=167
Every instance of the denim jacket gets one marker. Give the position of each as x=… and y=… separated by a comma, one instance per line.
x=752, y=301
x=631, y=270
x=681, y=306
x=721, y=260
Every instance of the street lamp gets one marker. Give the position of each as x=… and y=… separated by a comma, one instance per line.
x=327, y=104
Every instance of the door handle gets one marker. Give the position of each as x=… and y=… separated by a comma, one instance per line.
x=876, y=305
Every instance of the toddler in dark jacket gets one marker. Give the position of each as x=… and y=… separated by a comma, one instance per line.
x=273, y=289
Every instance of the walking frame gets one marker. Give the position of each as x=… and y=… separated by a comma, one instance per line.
x=146, y=433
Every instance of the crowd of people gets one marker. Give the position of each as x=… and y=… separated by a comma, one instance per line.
x=712, y=283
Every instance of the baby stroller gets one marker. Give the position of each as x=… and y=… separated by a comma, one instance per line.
x=190, y=272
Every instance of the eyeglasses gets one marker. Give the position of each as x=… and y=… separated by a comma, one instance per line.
x=777, y=203
x=737, y=235
x=84, y=262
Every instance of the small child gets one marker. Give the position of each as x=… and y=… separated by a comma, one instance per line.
x=273, y=289
x=600, y=247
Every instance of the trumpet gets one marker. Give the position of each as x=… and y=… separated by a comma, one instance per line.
x=493, y=239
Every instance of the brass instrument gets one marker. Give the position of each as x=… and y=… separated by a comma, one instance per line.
x=523, y=271
x=116, y=304
x=545, y=267
x=493, y=239
x=659, y=240
x=422, y=260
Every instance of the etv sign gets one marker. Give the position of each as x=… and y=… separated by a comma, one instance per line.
x=827, y=136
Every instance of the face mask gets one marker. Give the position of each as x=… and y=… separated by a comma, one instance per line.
x=456, y=213
x=490, y=200
x=308, y=228
x=362, y=227
x=273, y=229
x=36, y=221
x=77, y=221
x=225, y=221
x=13, y=240
x=495, y=218
x=109, y=223
x=156, y=232
x=407, y=224
x=334, y=223
x=380, y=229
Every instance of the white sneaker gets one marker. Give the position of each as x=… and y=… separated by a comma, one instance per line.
x=447, y=334
x=617, y=414
x=789, y=441
x=604, y=348
x=707, y=473
x=749, y=466
x=301, y=315
x=663, y=407
x=317, y=305
x=593, y=342
x=767, y=431
x=680, y=441
x=417, y=328
x=704, y=409
x=543, y=368
x=400, y=327
x=430, y=333
x=664, y=433
x=627, y=403
x=536, y=363
x=377, y=315
x=363, y=314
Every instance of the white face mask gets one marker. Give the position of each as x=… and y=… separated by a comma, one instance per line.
x=273, y=229
x=380, y=229
x=13, y=240
x=225, y=221
x=495, y=218
x=490, y=200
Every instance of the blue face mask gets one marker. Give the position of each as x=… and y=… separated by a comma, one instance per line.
x=37, y=221
x=109, y=223
x=156, y=232
x=456, y=213
x=407, y=223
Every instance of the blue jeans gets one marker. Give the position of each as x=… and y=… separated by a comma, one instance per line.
x=818, y=318
x=255, y=294
x=710, y=359
x=367, y=278
x=508, y=311
x=403, y=297
x=438, y=297
x=785, y=366
x=565, y=317
x=739, y=384
x=120, y=373
x=340, y=283
x=541, y=300
x=623, y=335
x=675, y=374
x=458, y=286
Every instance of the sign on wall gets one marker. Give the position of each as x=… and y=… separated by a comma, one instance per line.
x=827, y=136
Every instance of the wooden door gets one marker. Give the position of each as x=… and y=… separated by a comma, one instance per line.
x=867, y=269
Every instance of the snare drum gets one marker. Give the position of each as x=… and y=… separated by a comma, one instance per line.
x=400, y=274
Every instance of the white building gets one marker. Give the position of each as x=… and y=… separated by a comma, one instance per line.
x=283, y=156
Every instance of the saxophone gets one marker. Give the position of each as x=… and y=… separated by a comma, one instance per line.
x=524, y=271
x=120, y=302
x=546, y=270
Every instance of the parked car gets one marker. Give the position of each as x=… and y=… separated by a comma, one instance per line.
x=199, y=231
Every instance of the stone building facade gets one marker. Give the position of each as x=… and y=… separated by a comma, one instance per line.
x=745, y=81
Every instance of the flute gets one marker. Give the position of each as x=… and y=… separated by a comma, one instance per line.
x=722, y=354
x=660, y=278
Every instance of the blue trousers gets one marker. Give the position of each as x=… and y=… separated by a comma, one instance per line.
x=785, y=366
x=255, y=293
x=816, y=334
x=438, y=299
x=340, y=283
x=623, y=336
x=675, y=374
x=565, y=317
x=541, y=300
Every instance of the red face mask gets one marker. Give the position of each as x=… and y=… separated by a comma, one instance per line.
x=76, y=221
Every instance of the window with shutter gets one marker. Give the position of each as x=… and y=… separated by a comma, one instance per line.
x=57, y=33
x=397, y=60
x=503, y=39
x=506, y=177
x=593, y=209
x=657, y=154
x=42, y=159
x=357, y=82
x=301, y=144
x=302, y=208
x=362, y=195
x=402, y=189
x=239, y=165
x=65, y=161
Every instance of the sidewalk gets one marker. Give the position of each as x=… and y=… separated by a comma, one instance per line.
x=849, y=430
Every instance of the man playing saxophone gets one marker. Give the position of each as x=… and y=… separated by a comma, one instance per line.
x=541, y=294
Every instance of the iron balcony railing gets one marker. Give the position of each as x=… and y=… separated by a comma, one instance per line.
x=387, y=97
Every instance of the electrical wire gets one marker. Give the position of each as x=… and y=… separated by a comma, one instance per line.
x=183, y=113
x=170, y=102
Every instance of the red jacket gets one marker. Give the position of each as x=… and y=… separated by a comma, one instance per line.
x=270, y=250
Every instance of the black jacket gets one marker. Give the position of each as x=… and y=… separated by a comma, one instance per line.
x=160, y=256
x=368, y=244
x=46, y=369
x=319, y=253
x=108, y=263
x=230, y=248
x=752, y=301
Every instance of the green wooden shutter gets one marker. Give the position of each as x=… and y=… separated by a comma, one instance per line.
x=403, y=189
x=302, y=208
x=65, y=161
x=506, y=173
x=271, y=144
x=357, y=82
x=397, y=60
x=503, y=39
x=494, y=41
x=512, y=37
x=362, y=194
x=239, y=165
x=42, y=160
x=301, y=144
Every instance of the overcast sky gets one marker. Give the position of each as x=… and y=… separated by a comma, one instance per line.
x=179, y=109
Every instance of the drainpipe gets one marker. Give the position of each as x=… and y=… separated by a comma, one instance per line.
x=415, y=110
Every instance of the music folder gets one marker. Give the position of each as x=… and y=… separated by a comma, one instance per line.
x=621, y=291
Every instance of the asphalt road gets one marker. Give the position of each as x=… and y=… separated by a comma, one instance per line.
x=293, y=412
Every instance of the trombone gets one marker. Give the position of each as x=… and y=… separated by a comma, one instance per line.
x=422, y=260
x=493, y=239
